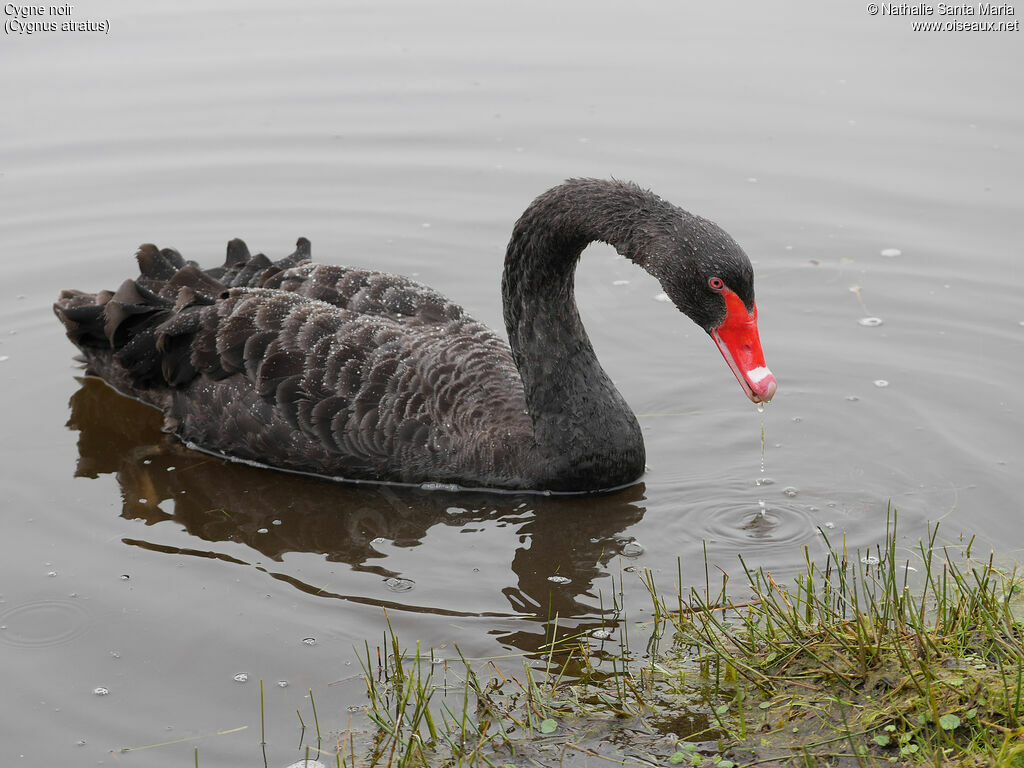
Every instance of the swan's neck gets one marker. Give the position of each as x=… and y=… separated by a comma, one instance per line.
x=584, y=429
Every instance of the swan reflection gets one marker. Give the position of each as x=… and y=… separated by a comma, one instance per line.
x=275, y=513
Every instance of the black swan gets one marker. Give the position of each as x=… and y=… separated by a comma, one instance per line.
x=362, y=375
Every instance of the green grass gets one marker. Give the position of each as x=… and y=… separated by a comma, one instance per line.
x=906, y=657
x=882, y=657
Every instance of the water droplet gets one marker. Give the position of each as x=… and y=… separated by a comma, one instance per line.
x=559, y=580
x=870, y=322
x=100, y=691
x=632, y=549
x=396, y=584
x=309, y=641
x=891, y=252
x=881, y=383
x=790, y=491
x=242, y=677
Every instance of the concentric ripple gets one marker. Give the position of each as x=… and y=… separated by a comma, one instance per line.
x=43, y=623
x=781, y=522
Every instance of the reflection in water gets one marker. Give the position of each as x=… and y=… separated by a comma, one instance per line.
x=275, y=513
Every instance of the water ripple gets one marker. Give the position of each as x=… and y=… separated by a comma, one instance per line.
x=43, y=623
x=781, y=523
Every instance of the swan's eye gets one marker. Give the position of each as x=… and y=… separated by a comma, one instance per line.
x=716, y=283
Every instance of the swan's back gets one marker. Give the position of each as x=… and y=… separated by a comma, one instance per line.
x=319, y=368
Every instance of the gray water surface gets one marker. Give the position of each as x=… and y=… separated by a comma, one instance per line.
x=868, y=170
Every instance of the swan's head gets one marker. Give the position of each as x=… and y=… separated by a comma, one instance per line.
x=709, y=278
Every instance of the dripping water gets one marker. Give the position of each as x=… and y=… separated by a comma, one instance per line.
x=760, y=410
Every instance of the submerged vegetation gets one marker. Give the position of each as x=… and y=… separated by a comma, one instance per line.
x=895, y=656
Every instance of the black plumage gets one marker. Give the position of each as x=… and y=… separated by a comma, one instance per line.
x=364, y=375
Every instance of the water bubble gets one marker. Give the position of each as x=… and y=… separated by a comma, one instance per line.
x=396, y=584
x=307, y=764
x=100, y=691
x=241, y=677
x=4, y=358
x=282, y=683
x=830, y=525
x=621, y=282
x=891, y=252
x=852, y=398
x=559, y=580
x=764, y=481
x=662, y=297
x=870, y=322
x=309, y=641
x=870, y=560
x=790, y=491
x=881, y=383
x=262, y=530
x=632, y=549
x=276, y=522
x=601, y=634
x=51, y=574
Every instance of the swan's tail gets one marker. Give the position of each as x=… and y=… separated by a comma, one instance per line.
x=118, y=332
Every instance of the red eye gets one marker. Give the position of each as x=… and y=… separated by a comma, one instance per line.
x=716, y=283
